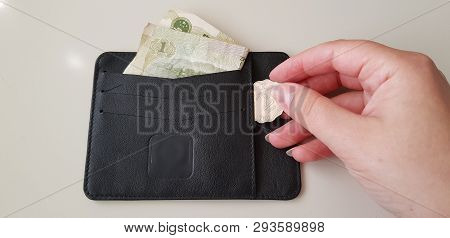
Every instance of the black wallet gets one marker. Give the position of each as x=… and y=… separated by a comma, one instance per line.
x=186, y=138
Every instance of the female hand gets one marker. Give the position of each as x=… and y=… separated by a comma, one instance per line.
x=392, y=131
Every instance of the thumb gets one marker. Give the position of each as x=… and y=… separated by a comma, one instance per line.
x=335, y=126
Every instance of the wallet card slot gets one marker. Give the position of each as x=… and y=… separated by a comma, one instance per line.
x=277, y=174
x=140, y=106
x=127, y=84
x=121, y=158
x=222, y=168
x=223, y=158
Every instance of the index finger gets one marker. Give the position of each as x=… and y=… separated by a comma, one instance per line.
x=354, y=60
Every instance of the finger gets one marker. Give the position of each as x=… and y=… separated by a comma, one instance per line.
x=310, y=151
x=287, y=135
x=285, y=116
x=355, y=61
x=352, y=101
x=324, y=83
x=319, y=115
x=293, y=133
x=327, y=83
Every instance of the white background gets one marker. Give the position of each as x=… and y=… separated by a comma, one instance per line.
x=46, y=84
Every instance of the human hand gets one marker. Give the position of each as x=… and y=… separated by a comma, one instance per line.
x=392, y=131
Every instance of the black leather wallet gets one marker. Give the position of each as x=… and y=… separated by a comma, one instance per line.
x=187, y=138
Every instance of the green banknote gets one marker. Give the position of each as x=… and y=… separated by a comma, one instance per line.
x=185, y=45
x=168, y=53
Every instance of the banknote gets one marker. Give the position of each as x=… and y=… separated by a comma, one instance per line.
x=191, y=23
x=266, y=108
x=169, y=53
x=184, y=45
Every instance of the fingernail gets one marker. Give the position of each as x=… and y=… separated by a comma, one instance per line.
x=282, y=95
x=289, y=152
x=267, y=138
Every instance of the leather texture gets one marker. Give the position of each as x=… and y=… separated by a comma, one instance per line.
x=141, y=146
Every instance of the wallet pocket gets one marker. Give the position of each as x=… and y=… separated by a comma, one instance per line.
x=187, y=138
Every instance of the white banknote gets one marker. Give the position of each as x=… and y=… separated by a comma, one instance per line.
x=266, y=108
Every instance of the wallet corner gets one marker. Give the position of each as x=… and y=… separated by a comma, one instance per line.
x=87, y=193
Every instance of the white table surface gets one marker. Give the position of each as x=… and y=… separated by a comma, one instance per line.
x=47, y=54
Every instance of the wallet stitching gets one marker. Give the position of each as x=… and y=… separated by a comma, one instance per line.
x=168, y=119
x=91, y=126
x=295, y=192
x=252, y=147
x=136, y=95
x=111, y=89
x=226, y=196
x=108, y=91
x=193, y=77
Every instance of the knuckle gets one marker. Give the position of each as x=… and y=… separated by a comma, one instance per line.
x=338, y=41
x=421, y=64
x=366, y=42
x=331, y=44
x=421, y=60
x=361, y=41
x=350, y=44
x=295, y=63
